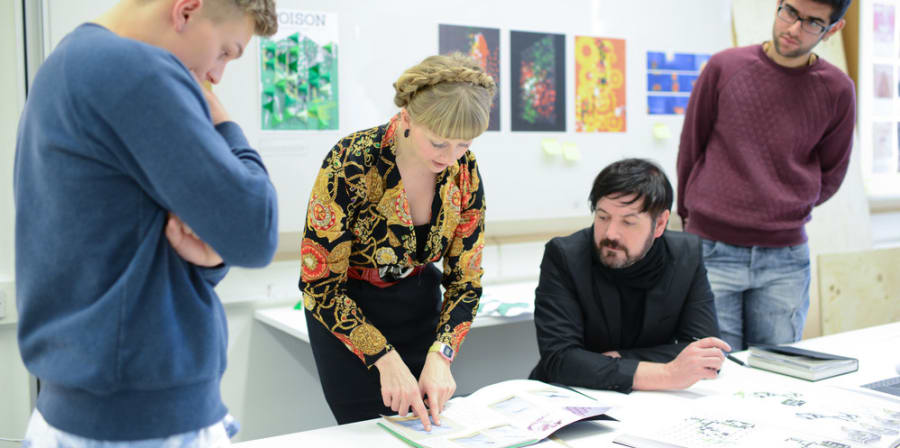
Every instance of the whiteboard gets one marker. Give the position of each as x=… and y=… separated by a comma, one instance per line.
x=379, y=39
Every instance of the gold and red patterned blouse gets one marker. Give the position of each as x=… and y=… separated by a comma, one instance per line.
x=358, y=216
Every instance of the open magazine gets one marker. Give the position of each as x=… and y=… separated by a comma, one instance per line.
x=512, y=413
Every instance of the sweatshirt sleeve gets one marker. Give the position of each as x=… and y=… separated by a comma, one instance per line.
x=214, y=274
x=207, y=175
x=698, y=125
x=835, y=146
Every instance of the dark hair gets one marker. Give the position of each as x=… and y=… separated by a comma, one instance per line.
x=838, y=8
x=639, y=177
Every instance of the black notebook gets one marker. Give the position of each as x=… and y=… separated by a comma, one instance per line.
x=797, y=362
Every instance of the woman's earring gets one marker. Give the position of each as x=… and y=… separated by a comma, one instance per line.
x=406, y=133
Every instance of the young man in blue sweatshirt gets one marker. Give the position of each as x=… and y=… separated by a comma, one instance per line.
x=119, y=150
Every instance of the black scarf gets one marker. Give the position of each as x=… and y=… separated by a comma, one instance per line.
x=631, y=284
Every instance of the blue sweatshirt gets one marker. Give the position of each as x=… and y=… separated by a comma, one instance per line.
x=127, y=338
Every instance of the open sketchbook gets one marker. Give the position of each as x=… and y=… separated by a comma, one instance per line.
x=513, y=413
x=777, y=418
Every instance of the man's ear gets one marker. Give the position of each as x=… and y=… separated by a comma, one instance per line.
x=184, y=12
x=839, y=25
x=661, y=224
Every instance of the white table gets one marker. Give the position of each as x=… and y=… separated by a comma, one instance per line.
x=878, y=350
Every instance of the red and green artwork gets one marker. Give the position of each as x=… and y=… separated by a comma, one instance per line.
x=483, y=45
x=538, y=73
x=299, y=73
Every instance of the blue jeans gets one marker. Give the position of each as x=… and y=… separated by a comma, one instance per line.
x=762, y=293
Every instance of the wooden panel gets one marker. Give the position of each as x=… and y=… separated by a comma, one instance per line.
x=859, y=289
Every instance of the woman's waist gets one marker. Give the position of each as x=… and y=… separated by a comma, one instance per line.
x=388, y=276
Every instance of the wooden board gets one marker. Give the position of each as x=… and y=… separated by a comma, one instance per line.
x=859, y=289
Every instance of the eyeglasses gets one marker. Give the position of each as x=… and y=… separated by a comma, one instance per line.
x=812, y=26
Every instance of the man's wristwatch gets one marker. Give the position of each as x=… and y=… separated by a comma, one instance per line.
x=444, y=350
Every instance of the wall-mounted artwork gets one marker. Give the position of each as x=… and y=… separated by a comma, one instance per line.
x=882, y=148
x=483, y=45
x=538, y=81
x=670, y=80
x=883, y=81
x=599, y=84
x=299, y=72
x=883, y=30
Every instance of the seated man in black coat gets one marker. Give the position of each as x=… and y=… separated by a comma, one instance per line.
x=625, y=304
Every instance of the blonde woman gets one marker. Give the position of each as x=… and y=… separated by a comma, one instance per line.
x=388, y=203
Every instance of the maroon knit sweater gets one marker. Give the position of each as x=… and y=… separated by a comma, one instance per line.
x=761, y=146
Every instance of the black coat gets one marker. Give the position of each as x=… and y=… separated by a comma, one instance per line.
x=575, y=325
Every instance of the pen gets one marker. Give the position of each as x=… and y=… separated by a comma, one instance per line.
x=727, y=355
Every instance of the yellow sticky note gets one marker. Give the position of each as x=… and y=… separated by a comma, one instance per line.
x=551, y=146
x=571, y=152
x=661, y=131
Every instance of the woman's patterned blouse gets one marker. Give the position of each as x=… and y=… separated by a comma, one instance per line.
x=358, y=216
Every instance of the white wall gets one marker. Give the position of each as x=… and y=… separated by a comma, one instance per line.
x=15, y=404
x=379, y=39
x=11, y=78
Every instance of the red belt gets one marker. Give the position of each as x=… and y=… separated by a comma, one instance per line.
x=372, y=276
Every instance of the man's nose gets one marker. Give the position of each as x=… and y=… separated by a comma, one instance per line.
x=613, y=232
x=215, y=75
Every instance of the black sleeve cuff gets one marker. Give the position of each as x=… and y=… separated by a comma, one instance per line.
x=623, y=379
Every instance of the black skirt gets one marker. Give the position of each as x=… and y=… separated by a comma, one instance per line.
x=406, y=313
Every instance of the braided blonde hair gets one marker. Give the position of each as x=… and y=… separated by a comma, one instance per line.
x=449, y=94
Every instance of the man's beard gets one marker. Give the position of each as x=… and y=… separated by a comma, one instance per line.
x=629, y=260
x=794, y=54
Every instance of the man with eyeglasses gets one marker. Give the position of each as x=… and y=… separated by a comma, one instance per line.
x=766, y=137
